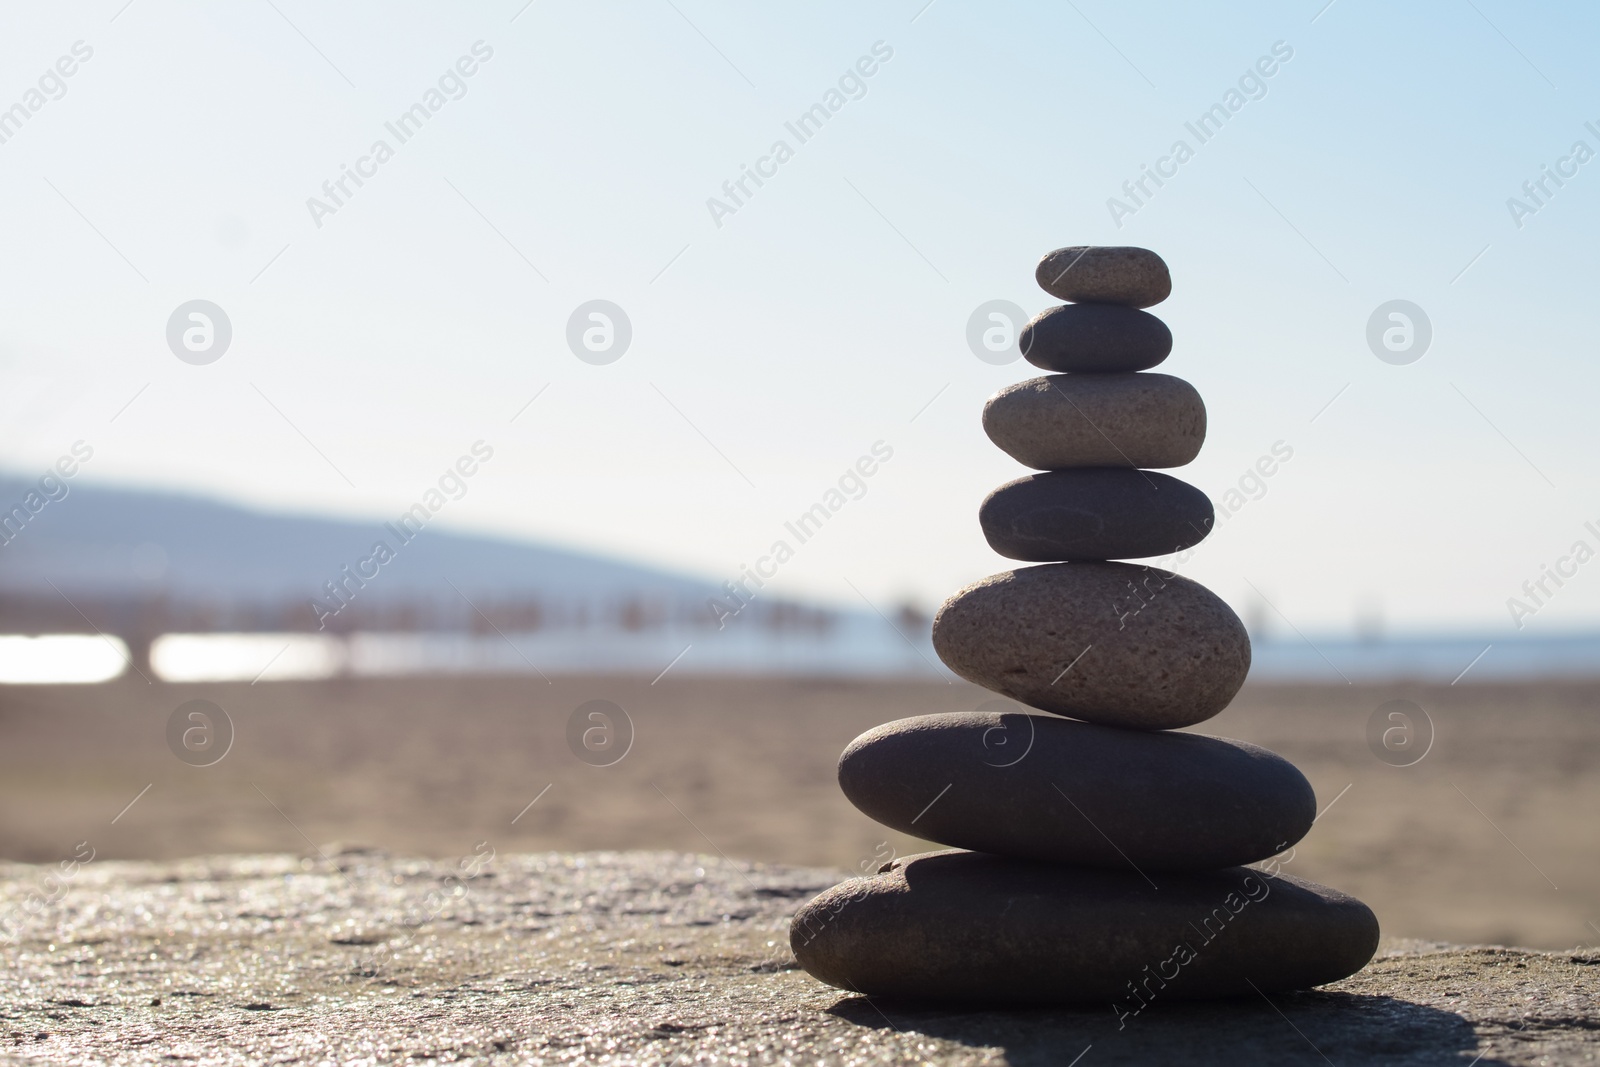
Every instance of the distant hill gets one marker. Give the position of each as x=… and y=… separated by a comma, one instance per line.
x=103, y=540
x=139, y=564
x=135, y=560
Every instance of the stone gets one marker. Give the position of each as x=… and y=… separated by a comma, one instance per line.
x=1114, y=643
x=964, y=927
x=1097, y=420
x=655, y=958
x=1095, y=338
x=1094, y=513
x=1044, y=788
x=1105, y=274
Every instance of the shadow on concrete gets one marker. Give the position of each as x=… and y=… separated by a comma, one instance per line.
x=1319, y=1028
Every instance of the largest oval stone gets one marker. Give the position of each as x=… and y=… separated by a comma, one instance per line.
x=970, y=928
x=1097, y=420
x=1044, y=788
x=1113, y=643
x=1094, y=513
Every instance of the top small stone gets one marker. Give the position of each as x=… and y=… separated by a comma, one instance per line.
x=1091, y=274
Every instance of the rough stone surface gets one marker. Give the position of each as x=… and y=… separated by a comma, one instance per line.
x=1094, y=513
x=646, y=958
x=1113, y=643
x=1097, y=420
x=1095, y=338
x=971, y=928
x=1105, y=274
x=1052, y=789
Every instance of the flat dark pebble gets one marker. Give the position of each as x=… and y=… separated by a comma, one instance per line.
x=968, y=928
x=1047, y=788
x=1094, y=513
x=1097, y=338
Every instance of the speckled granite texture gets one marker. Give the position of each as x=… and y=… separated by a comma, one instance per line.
x=638, y=958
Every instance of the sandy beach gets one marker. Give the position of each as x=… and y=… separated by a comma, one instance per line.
x=1488, y=838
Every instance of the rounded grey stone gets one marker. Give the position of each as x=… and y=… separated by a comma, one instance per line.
x=1094, y=513
x=1073, y=792
x=1113, y=643
x=1105, y=274
x=965, y=927
x=1097, y=420
x=1095, y=339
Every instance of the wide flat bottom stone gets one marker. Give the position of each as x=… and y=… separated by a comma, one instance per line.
x=639, y=958
x=976, y=929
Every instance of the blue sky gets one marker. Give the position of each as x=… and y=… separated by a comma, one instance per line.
x=771, y=351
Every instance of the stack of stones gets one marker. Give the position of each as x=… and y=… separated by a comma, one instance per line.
x=1097, y=855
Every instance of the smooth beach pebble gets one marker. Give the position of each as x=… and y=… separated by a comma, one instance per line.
x=1094, y=513
x=1040, y=787
x=965, y=927
x=1113, y=643
x=1094, y=338
x=1097, y=420
x=1105, y=274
